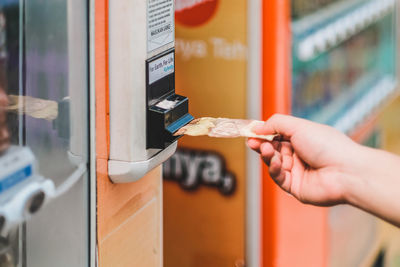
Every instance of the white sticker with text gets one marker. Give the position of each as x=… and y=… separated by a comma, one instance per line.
x=161, y=67
x=160, y=23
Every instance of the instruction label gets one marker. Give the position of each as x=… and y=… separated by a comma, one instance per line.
x=161, y=67
x=160, y=23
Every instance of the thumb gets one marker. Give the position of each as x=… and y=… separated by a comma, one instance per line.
x=283, y=125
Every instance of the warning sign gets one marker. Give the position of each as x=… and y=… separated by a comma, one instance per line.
x=160, y=23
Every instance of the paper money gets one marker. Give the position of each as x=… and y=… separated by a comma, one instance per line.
x=223, y=128
x=34, y=107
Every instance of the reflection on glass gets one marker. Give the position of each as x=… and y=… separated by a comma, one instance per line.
x=9, y=69
x=43, y=106
x=9, y=123
x=46, y=65
x=56, y=86
x=4, y=135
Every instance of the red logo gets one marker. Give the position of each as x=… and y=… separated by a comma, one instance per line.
x=194, y=12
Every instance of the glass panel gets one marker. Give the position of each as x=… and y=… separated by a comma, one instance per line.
x=43, y=75
x=325, y=87
x=301, y=8
x=56, y=71
x=10, y=130
x=10, y=66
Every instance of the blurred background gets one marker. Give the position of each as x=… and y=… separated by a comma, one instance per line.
x=330, y=61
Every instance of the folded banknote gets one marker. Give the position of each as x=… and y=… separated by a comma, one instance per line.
x=34, y=107
x=223, y=128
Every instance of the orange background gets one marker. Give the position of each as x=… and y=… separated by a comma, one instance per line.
x=128, y=215
x=285, y=223
x=203, y=227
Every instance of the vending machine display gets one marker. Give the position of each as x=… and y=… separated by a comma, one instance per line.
x=145, y=112
x=343, y=54
x=344, y=71
x=301, y=8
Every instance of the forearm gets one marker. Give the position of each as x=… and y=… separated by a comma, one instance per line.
x=375, y=186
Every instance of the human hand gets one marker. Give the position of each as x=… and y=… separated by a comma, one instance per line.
x=312, y=162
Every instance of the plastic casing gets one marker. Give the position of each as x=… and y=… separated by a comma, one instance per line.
x=129, y=159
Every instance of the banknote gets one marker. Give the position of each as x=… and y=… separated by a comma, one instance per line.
x=34, y=107
x=223, y=128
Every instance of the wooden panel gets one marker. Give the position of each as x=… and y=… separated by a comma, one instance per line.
x=136, y=241
x=118, y=202
x=129, y=216
x=123, y=210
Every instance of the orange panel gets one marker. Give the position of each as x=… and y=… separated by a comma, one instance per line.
x=101, y=70
x=275, y=84
x=292, y=234
x=128, y=215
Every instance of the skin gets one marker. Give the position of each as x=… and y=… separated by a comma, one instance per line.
x=319, y=165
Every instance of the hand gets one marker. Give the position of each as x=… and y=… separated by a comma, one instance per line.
x=312, y=162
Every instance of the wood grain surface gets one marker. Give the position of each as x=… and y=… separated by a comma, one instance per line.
x=129, y=216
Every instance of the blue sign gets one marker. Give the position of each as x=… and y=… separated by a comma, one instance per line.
x=15, y=178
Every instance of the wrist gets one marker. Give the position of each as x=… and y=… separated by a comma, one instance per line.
x=357, y=173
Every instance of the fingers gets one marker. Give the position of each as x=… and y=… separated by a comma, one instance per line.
x=284, y=125
x=287, y=156
x=267, y=151
x=265, y=148
x=275, y=166
x=281, y=166
x=280, y=176
x=254, y=144
x=279, y=157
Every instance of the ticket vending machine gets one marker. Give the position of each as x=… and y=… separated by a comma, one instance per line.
x=52, y=53
x=137, y=113
x=145, y=112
